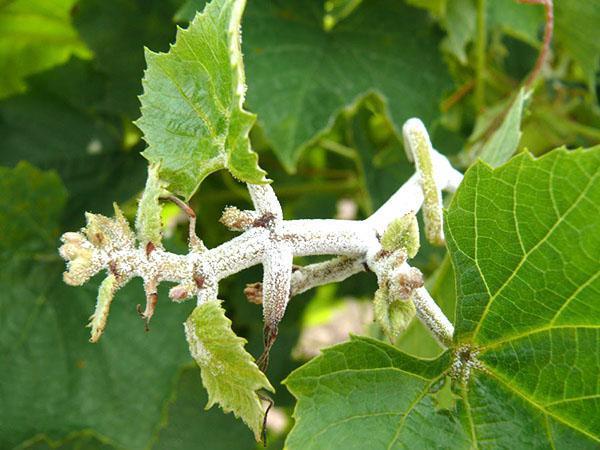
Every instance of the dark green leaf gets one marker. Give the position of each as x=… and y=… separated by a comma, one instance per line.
x=188, y=425
x=300, y=76
x=367, y=394
x=54, y=382
x=526, y=252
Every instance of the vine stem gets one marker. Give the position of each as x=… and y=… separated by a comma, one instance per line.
x=548, y=30
x=270, y=240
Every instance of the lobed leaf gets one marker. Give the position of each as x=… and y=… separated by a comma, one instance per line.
x=384, y=47
x=229, y=373
x=524, y=243
x=367, y=394
x=192, y=114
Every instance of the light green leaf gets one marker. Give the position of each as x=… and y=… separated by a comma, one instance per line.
x=459, y=22
x=384, y=46
x=525, y=246
x=192, y=115
x=148, y=223
x=524, y=242
x=337, y=10
x=35, y=35
x=366, y=394
x=229, y=373
x=502, y=144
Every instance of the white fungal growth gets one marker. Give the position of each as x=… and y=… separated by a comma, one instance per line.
x=197, y=348
x=464, y=362
x=110, y=244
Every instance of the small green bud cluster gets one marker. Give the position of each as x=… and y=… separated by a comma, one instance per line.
x=393, y=306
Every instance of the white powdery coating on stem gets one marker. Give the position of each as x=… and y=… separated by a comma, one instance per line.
x=273, y=242
x=276, y=282
x=430, y=314
x=265, y=200
x=328, y=236
x=332, y=271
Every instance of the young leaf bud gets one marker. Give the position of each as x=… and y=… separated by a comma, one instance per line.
x=106, y=293
x=403, y=282
x=237, y=220
x=418, y=148
x=109, y=234
x=79, y=256
x=393, y=316
x=148, y=223
x=402, y=233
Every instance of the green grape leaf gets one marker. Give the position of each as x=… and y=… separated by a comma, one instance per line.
x=55, y=125
x=54, y=382
x=525, y=246
x=229, y=373
x=460, y=25
x=34, y=36
x=337, y=10
x=192, y=114
x=117, y=32
x=384, y=47
x=502, y=143
x=523, y=239
x=186, y=424
x=26, y=229
x=367, y=394
x=578, y=33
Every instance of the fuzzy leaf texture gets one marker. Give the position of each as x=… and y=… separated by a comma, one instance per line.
x=229, y=373
x=523, y=239
x=23, y=52
x=192, y=114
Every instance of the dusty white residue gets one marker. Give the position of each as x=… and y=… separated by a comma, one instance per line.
x=110, y=244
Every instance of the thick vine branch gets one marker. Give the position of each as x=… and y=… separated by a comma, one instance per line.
x=270, y=240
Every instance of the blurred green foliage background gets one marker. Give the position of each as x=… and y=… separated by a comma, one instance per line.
x=331, y=83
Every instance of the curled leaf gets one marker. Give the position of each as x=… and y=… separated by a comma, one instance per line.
x=418, y=148
x=402, y=234
x=106, y=293
x=148, y=223
x=393, y=316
